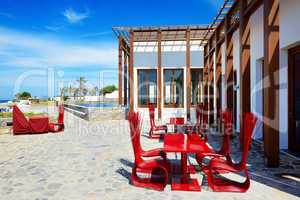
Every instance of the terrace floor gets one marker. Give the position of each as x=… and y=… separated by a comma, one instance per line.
x=91, y=160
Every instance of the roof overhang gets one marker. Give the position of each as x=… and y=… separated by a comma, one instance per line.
x=175, y=32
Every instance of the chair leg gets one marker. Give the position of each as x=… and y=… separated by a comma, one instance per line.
x=226, y=185
x=158, y=180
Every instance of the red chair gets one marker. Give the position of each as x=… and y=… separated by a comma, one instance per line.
x=219, y=166
x=37, y=124
x=225, y=149
x=20, y=123
x=156, y=167
x=199, y=116
x=205, y=117
x=154, y=128
x=59, y=126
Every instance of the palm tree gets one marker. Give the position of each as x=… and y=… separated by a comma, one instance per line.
x=82, y=87
x=62, y=93
x=94, y=91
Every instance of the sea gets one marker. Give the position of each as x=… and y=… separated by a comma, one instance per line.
x=4, y=101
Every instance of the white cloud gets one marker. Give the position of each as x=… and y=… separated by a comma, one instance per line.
x=7, y=15
x=97, y=34
x=54, y=28
x=19, y=49
x=74, y=17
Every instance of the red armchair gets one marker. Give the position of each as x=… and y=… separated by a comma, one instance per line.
x=218, y=165
x=199, y=116
x=20, y=123
x=59, y=126
x=155, y=130
x=37, y=124
x=158, y=168
x=225, y=149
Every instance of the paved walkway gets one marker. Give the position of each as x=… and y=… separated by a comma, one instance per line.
x=92, y=161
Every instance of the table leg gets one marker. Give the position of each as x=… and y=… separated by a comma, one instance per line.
x=185, y=182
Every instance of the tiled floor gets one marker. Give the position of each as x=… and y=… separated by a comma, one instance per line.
x=92, y=160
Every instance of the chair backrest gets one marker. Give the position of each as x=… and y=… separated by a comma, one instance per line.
x=227, y=120
x=20, y=123
x=198, y=113
x=248, y=127
x=152, y=116
x=205, y=115
x=177, y=120
x=135, y=130
x=60, y=119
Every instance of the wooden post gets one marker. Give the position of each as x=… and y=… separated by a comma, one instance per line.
x=245, y=93
x=271, y=74
x=206, y=78
x=218, y=73
x=188, y=74
x=211, y=87
x=159, y=85
x=131, y=75
x=125, y=78
x=120, y=69
x=229, y=64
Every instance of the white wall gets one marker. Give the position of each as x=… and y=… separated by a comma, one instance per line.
x=256, y=56
x=289, y=23
x=236, y=66
x=289, y=16
x=173, y=56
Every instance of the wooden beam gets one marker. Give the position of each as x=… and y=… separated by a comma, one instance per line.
x=229, y=65
x=188, y=74
x=159, y=71
x=120, y=70
x=218, y=73
x=245, y=93
x=131, y=74
x=271, y=74
x=211, y=88
x=125, y=78
x=204, y=74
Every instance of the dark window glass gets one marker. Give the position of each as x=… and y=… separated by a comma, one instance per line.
x=147, y=87
x=173, y=88
x=196, y=86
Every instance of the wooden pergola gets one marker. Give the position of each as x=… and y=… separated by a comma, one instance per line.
x=130, y=35
x=234, y=15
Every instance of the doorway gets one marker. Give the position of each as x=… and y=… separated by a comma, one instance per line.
x=294, y=99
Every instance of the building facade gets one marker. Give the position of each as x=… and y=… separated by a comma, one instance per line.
x=248, y=60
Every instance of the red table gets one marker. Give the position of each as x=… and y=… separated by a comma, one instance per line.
x=39, y=124
x=184, y=144
x=180, y=122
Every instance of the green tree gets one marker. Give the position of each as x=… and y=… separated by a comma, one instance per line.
x=108, y=89
x=23, y=95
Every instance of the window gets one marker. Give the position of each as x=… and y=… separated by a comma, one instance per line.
x=196, y=75
x=147, y=87
x=173, y=88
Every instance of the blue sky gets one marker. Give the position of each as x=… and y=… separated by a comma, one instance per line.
x=42, y=40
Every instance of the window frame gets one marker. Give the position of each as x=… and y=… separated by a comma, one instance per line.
x=164, y=89
x=138, y=92
x=201, y=92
